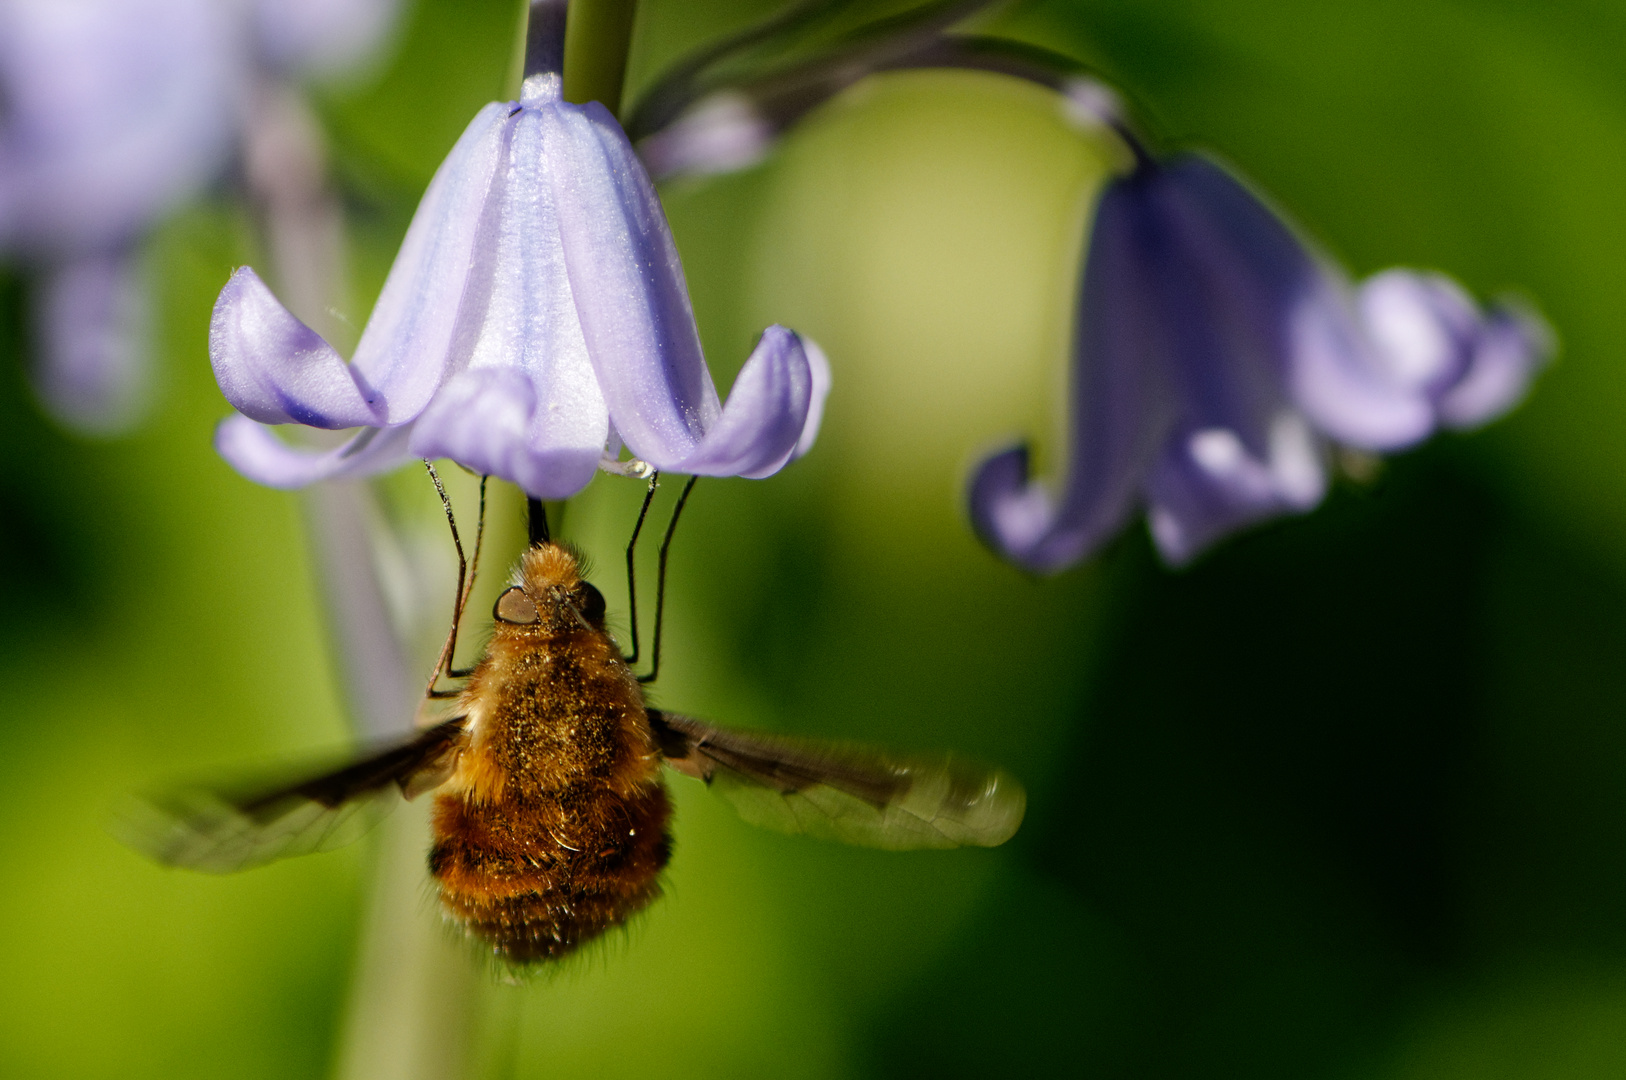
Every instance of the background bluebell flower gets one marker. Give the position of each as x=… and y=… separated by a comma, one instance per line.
x=1215, y=353
x=1180, y=402
x=116, y=112
x=92, y=315
x=535, y=317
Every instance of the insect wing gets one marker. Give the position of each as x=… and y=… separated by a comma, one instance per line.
x=851, y=794
x=219, y=832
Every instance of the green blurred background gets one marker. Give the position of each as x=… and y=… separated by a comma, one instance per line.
x=1345, y=799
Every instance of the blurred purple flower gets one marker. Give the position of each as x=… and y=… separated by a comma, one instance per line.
x=115, y=112
x=535, y=320
x=319, y=37
x=1214, y=353
x=91, y=317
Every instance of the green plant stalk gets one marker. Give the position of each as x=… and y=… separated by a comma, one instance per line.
x=597, y=36
x=516, y=55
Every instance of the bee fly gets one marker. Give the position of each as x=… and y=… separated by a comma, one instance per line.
x=551, y=821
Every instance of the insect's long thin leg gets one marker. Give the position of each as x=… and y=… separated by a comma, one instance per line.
x=660, y=583
x=632, y=575
x=468, y=590
x=444, y=663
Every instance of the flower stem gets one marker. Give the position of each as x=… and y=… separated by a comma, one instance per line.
x=596, y=39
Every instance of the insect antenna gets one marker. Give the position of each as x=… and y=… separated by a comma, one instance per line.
x=466, y=571
x=632, y=575
x=660, y=583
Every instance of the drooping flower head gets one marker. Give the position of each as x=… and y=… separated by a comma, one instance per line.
x=1214, y=355
x=536, y=319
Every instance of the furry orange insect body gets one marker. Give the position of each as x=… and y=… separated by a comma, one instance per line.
x=551, y=816
x=552, y=827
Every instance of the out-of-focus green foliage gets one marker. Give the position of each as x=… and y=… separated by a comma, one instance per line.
x=1347, y=798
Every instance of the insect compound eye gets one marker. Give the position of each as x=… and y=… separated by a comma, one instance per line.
x=590, y=602
x=513, y=606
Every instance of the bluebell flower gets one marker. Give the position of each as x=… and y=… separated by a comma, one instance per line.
x=535, y=321
x=91, y=316
x=1215, y=355
x=116, y=112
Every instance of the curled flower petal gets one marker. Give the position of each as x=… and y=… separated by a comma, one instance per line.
x=255, y=451
x=1510, y=347
x=1010, y=513
x=275, y=369
x=492, y=420
x=1421, y=326
x=764, y=418
x=819, y=367
x=1210, y=484
x=1345, y=393
x=94, y=369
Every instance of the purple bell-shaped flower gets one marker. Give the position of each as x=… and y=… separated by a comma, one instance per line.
x=1214, y=357
x=535, y=321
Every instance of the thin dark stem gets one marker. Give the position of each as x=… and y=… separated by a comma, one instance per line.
x=632, y=574
x=545, y=38
x=660, y=583
x=536, y=519
x=780, y=97
x=680, y=84
x=783, y=93
x=1031, y=63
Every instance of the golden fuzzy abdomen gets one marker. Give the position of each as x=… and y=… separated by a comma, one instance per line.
x=554, y=827
x=537, y=880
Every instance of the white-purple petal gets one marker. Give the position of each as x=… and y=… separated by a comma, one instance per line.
x=1123, y=399
x=94, y=369
x=518, y=309
x=275, y=369
x=255, y=451
x=493, y=421
x=1208, y=484
x=404, y=350
x=629, y=288
x=819, y=366
x=764, y=418
x=1511, y=345
x=1222, y=272
x=1337, y=383
x=1421, y=327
